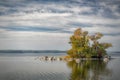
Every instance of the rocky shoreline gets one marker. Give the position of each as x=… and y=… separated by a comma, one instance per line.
x=63, y=58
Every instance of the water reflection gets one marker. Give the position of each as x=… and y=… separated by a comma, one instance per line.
x=88, y=70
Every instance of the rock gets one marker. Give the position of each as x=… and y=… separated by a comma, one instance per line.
x=105, y=59
x=77, y=60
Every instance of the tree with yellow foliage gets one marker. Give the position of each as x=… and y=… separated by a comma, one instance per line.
x=84, y=45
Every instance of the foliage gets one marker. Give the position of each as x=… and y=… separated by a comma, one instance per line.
x=85, y=45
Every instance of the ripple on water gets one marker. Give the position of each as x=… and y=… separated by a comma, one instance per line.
x=39, y=76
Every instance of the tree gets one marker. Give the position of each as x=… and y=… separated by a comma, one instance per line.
x=81, y=46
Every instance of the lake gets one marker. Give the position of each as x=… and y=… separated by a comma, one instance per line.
x=24, y=66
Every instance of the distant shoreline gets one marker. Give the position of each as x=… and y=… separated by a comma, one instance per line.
x=32, y=51
x=44, y=51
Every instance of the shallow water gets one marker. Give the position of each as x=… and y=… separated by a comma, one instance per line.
x=27, y=68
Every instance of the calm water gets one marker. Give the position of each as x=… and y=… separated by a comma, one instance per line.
x=25, y=67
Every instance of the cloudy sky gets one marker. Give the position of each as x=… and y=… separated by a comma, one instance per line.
x=48, y=24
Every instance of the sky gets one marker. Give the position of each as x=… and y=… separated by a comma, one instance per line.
x=48, y=24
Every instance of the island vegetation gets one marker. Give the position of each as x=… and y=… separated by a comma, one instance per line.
x=85, y=45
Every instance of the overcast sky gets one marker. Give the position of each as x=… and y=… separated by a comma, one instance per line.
x=48, y=24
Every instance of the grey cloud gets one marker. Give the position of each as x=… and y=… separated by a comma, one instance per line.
x=53, y=16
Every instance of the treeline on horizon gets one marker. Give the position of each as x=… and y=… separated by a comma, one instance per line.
x=41, y=51
x=32, y=51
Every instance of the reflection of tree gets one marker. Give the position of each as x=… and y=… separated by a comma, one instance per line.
x=99, y=68
x=87, y=70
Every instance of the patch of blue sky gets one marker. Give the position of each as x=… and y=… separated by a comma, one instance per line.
x=76, y=24
x=108, y=13
x=112, y=34
x=11, y=4
x=65, y=31
x=2, y=13
x=35, y=29
x=109, y=25
x=88, y=13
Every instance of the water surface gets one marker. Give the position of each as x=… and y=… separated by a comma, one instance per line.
x=25, y=67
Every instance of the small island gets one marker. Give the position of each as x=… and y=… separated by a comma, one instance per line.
x=87, y=46
x=84, y=47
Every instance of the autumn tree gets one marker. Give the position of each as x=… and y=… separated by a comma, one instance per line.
x=81, y=46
